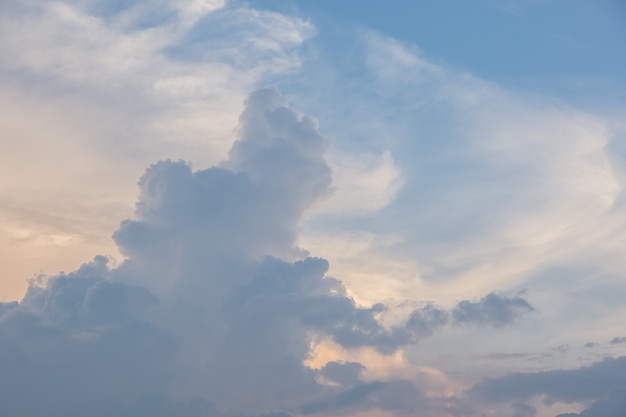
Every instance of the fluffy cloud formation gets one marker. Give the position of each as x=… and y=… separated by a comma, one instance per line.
x=82, y=345
x=478, y=188
x=109, y=88
x=213, y=310
x=197, y=306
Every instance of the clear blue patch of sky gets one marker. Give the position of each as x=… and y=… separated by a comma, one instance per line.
x=567, y=47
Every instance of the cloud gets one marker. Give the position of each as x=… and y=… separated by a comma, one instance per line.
x=81, y=344
x=519, y=196
x=613, y=405
x=495, y=310
x=397, y=397
x=503, y=190
x=352, y=396
x=602, y=382
x=197, y=302
x=212, y=301
x=214, y=287
x=108, y=89
x=347, y=373
x=214, y=308
x=524, y=410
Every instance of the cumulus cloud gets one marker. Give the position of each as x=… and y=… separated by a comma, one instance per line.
x=109, y=88
x=81, y=344
x=214, y=298
x=197, y=310
x=213, y=310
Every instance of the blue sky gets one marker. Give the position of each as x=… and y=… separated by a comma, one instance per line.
x=570, y=48
x=282, y=208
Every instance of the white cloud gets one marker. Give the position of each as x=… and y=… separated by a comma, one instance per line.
x=93, y=92
x=362, y=184
x=498, y=184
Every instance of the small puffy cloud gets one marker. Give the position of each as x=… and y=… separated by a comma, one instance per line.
x=493, y=309
x=423, y=322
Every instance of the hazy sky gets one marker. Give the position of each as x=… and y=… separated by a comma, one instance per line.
x=283, y=208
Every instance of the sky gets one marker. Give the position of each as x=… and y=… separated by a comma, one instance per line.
x=264, y=208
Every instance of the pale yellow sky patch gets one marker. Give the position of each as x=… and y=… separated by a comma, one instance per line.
x=432, y=381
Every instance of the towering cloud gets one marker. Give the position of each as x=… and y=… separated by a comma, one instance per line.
x=214, y=309
x=197, y=310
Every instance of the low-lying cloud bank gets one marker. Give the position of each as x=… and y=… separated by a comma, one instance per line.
x=603, y=382
x=214, y=310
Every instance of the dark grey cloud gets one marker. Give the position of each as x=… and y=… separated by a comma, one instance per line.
x=347, y=398
x=396, y=396
x=613, y=405
x=6, y=307
x=81, y=346
x=618, y=340
x=524, y=410
x=597, y=382
x=344, y=373
x=494, y=310
x=423, y=322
